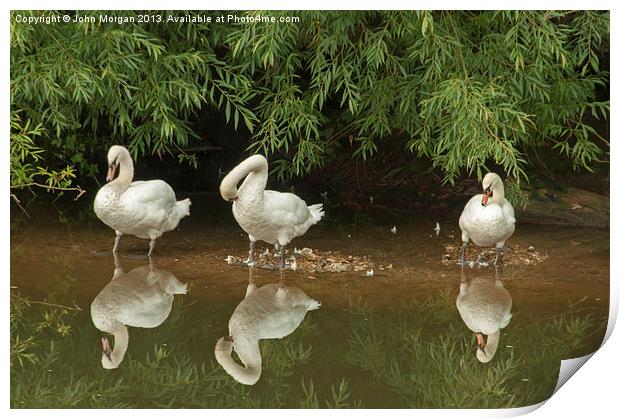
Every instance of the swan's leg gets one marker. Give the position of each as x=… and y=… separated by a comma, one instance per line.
x=118, y=269
x=250, y=261
x=282, y=257
x=251, y=284
x=151, y=247
x=463, y=247
x=499, y=253
x=117, y=241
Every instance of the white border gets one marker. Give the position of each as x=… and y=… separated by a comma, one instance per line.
x=593, y=391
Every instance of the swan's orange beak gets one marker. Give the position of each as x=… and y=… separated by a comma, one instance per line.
x=485, y=196
x=480, y=339
x=111, y=172
x=105, y=346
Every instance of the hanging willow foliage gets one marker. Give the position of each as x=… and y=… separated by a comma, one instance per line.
x=463, y=89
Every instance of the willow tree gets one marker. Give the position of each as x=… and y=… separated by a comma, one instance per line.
x=464, y=90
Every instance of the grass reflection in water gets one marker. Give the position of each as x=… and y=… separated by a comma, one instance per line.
x=418, y=355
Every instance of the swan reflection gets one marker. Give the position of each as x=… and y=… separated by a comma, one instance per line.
x=141, y=297
x=484, y=305
x=272, y=311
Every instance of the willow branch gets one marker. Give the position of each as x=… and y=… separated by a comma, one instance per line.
x=55, y=188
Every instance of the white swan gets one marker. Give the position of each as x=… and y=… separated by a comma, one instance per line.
x=272, y=311
x=488, y=218
x=141, y=297
x=270, y=216
x=484, y=306
x=146, y=209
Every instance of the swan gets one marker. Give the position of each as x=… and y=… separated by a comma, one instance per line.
x=270, y=216
x=141, y=297
x=488, y=218
x=484, y=306
x=146, y=209
x=272, y=311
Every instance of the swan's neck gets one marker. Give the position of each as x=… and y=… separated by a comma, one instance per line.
x=121, y=341
x=254, y=170
x=498, y=193
x=249, y=354
x=489, y=349
x=125, y=172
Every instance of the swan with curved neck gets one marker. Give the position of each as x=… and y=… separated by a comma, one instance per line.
x=270, y=216
x=484, y=306
x=141, y=297
x=488, y=218
x=272, y=311
x=146, y=209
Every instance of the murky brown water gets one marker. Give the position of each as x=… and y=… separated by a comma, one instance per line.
x=71, y=265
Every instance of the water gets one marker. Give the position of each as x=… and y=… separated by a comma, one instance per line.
x=391, y=340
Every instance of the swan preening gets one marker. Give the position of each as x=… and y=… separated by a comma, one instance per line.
x=488, y=218
x=141, y=297
x=146, y=209
x=270, y=216
x=484, y=306
x=272, y=311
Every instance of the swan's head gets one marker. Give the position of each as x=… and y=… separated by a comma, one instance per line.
x=116, y=155
x=490, y=182
x=228, y=187
x=106, y=354
x=484, y=353
x=255, y=164
x=229, y=195
x=224, y=344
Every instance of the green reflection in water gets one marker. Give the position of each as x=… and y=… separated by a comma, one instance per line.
x=419, y=354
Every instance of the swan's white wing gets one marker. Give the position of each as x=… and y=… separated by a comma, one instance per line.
x=147, y=205
x=509, y=212
x=472, y=208
x=137, y=301
x=285, y=209
x=151, y=193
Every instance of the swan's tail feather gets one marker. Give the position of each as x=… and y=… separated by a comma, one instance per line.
x=317, y=211
x=223, y=351
x=173, y=286
x=313, y=305
x=179, y=210
x=182, y=207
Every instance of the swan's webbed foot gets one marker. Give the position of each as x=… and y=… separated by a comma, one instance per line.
x=250, y=261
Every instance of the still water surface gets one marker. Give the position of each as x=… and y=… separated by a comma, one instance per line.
x=392, y=340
